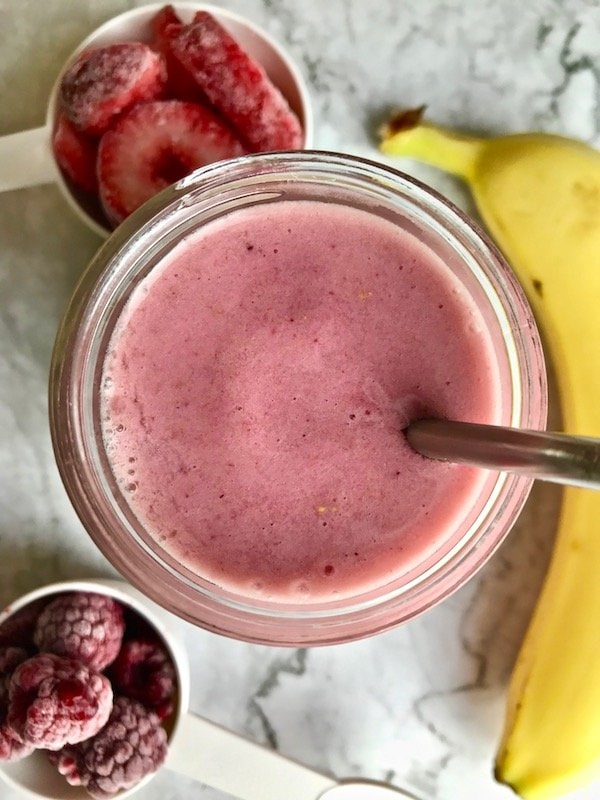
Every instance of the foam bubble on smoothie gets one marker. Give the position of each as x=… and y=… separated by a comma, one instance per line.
x=259, y=380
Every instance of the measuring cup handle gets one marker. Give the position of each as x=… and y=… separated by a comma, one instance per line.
x=223, y=760
x=26, y=159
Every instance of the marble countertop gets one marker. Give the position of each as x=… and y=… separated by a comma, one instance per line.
x=420, y=706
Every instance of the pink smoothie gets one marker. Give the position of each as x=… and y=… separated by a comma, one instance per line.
x=256, y=388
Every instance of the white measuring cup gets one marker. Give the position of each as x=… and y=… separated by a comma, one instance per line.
x=26, y=158
x=198, y=748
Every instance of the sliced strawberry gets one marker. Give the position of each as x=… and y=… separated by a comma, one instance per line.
x=103, y=83
x=76, y=154
x=166, y=16
x=236, y=85
x=180, y=83
x=154, y=145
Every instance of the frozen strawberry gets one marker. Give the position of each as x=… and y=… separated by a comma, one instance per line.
x=130, y=746
x=180, y=84
x=103, y=83
x=162, y=19
x=82, y=625
x=144, y=671
x=236, y=85
x=55, y=701
x=12, y=747
x=154, y=145
x=76, y=154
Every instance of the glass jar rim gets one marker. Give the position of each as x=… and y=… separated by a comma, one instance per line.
x=72, y=427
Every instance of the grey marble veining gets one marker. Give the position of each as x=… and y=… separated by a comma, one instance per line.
x=422, y=705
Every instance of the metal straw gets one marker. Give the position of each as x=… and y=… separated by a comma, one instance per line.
x=556, y=457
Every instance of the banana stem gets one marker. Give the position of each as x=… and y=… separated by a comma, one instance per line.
x=406, y=135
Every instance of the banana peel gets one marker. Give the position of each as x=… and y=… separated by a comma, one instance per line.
x=539, y=196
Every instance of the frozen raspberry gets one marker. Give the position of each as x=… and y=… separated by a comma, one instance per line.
x=82, y=625
x=144, y=671
x=17, y=629
x=103, y=83
x=236, y=85
x=76, y=154
x=12, y=747
x=137, y=627
x=154, y=145
x=180, y=83
x=55, y=701
x=10, y=658
x=130, y=746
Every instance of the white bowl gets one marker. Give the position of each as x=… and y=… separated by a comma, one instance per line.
x=34, y=774
x=26, y=158
x=198, y=748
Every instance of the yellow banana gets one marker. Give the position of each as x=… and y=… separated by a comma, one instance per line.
x=539, y=195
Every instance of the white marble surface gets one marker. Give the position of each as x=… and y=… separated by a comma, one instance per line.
x=420, y=706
